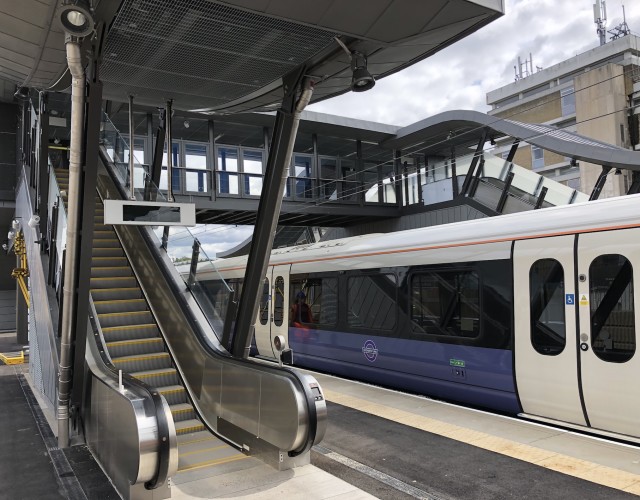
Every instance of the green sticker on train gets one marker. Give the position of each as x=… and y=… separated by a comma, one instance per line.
x=456, y=362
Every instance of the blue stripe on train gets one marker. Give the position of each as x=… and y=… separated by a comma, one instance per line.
x=473, y=375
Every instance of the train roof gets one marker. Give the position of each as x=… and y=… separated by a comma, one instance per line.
x=608, y=214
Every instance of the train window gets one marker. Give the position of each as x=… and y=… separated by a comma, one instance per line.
x=371, y=301
x=320, y=295
x=546, y=293
x=613, y=329
x=264, y=303
x=446, y=303
x=278, y=301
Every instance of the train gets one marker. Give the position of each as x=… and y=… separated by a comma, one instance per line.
x=531, y=314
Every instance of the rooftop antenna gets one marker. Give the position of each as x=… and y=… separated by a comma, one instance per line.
x=600, y=18
x=527, y=64
x=621, y=29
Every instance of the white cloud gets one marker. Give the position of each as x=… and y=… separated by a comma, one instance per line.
x=459, y=76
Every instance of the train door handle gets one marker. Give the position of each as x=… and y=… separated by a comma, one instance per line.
x=584, y=347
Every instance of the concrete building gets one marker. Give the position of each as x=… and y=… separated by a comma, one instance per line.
x=595, y=94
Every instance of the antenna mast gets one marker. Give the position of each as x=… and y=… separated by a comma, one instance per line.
x=600, y=18
x=621, y=29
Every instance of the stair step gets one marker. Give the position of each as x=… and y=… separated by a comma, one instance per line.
x=142, y=362
x=161, y=377
x=107, y=252
x=106, y=243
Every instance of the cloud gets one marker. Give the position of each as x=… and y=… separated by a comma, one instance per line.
x=459, y=76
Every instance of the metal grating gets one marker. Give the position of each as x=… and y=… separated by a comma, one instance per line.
x=194, y=49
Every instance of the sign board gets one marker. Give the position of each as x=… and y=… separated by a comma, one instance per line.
x=149, y=213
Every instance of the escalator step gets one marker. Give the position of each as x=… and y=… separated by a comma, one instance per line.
x=115, y=333
x=187, y=426
x=141, y=362
x=120, y=305
x=110, y=272
x=182, y=411
x=135, y=347
x=121, y=293
x=174, y=394
x=162, y=377
x=114, y=282
x=130, y=318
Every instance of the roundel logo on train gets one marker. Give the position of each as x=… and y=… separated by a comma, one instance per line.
x=370, y=350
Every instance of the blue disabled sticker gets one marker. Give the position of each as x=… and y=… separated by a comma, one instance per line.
x=570, y=299
x=370, y=350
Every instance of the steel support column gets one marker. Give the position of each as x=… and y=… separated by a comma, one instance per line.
x=213, y=182
x=284, y=135
x=505, y=192
x=85, y=240
x=512, y=151
x=541, y=197
x=635, y=183
x=602, y=178
x=466, y=185
x=42, y=196
x=454, y=175
x=155, y=168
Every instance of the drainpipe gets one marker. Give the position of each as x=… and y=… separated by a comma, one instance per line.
x=74, y=60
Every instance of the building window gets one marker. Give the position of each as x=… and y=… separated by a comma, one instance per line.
x=613, y=330
x=568, y=101
x=546, y=292
x=537, y=157
x=446, y=303
x=371, y=302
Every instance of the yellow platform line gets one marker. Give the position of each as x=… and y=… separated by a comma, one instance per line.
x=204, y=450
x=590, y=471
x=209, y=463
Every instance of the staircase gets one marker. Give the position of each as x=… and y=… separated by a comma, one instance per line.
x=135, y=345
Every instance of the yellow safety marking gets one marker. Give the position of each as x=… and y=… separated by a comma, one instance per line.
x=122, y=289
x=133, y=342
x=558, y=462
x=118, y=314
x=192, y=441
x=12, y=358
x=209, y=463
x=204, y=450
x=193, y=428
x=128, y=327
x=113, y=278
x=146, y=357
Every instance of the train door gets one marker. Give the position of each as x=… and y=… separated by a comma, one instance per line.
x=608, y=267
x=546, y=357
x=273, y=311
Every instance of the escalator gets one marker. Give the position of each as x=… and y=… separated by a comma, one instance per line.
x=134, y=344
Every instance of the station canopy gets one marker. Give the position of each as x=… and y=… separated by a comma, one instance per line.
x=215, y=56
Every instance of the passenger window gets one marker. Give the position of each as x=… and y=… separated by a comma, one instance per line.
x=264, y=303
x=371, y=302
x=278, y=301
x=613, y=329
x=314, y=300
x=547, y=308
x=446, y=303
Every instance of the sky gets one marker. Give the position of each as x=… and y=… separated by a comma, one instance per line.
x=460, y=75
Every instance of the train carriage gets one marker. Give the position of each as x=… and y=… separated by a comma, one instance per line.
x=531, y=313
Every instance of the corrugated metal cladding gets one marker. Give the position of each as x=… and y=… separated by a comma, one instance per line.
x=201, y=53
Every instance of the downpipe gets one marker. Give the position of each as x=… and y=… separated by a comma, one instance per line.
x=74, y=61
